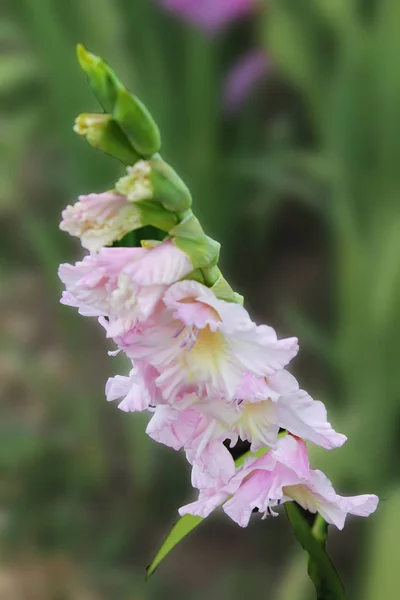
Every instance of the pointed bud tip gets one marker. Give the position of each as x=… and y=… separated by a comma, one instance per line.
x=86, y=59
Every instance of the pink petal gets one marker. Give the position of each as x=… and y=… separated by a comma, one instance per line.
x=207, y=502
x=172, y=427
x=188, y=300
x=162, y=265
x=211, y=15
x=307, y=418
x=292, y=453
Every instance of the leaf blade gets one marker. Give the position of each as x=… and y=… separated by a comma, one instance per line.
x=181, y=529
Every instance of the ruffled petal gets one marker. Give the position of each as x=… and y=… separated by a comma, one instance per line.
x=172, y=427
x=207, y=502
x=162, y=265
x=188, y=301
x=307, y=418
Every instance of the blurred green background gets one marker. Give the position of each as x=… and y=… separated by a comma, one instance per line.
x=301, y=184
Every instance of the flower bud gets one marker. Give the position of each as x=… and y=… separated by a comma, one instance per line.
x=102, y=79
x=103, y=133
x=99, y=220
x=132, y=116
x=155, y=180
x=189, y=236
x=137, y=123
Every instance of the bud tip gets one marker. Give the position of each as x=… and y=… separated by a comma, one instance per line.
x=86, y=59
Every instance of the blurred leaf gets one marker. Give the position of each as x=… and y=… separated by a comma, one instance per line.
x=381, y=574
x=17, y=70
x=295, y=585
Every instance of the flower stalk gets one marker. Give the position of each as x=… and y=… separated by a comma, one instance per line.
x=320, y=568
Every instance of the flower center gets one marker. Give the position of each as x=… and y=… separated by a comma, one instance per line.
x=208, y=342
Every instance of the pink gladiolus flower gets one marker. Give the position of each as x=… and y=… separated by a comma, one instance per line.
x=211, y=15
x=200, y=435
x=260, y=409
x=100, y=219
x=209, y=343
x=243, y=77
x=280, y=476
x=138, y=391
x=265, y=406
x=124, y=283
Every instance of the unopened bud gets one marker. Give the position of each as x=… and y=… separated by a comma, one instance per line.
x=137, y=123
x=102, y=79
x=131, y=114
x=103, y=133
x=155, y=180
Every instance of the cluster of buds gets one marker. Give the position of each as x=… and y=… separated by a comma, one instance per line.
x=204, y=371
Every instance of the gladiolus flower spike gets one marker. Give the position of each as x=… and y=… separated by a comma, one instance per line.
x=203, y=370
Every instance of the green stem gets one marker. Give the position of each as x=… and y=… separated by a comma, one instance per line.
x=320, y=567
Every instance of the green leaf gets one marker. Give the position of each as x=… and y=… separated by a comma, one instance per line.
x=187, y=523
x=180, y=530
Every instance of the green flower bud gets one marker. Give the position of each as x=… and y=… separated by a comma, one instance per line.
x=132, y=116
x=155, y=180
x=103, y=133
x=169, y=189
x=137, y=123
x=189, y=236
x=102, y=79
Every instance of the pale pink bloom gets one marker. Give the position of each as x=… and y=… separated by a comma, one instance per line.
x=211, y=15
x=138, y=390
x=266, y=405
x=124, y=283
x=86, y=311
x=208, y=342
x=261, y=407
x=280, y=476
x=212, y=465
x=200, y=436
x=172, y=427
x=100, y=219
x=243, y=77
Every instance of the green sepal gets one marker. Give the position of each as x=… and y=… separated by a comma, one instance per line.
x=223, y=291
x=168, y=187
x=155, y=180
x=153, y=213
x=131, y=114
x=150, y=244
x=189, y=236
x=196, y=275
x=102, y=132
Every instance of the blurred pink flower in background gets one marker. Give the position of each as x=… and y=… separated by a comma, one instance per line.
x=243, y=77
x=211, y=15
